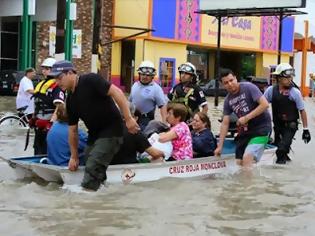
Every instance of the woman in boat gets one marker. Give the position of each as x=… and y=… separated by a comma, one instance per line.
x=203, y=141
x=179, y=133
x=58, y=148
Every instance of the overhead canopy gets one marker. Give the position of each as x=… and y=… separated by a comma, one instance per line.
x=251, y=12
x=251, y=4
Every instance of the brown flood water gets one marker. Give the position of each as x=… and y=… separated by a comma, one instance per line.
x=275, y=201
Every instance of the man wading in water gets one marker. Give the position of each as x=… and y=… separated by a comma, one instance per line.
x=92, y=98
x=254, y=121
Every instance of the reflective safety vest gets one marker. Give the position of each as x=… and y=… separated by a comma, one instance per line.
x=283, y=109
x=43, y=96
x=181, y=97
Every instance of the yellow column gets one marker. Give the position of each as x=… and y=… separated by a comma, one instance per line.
x=259, y=65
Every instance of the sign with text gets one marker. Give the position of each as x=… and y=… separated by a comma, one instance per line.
x=240, y=32
x=239, y=4
x=52, y=41
x=76, y=43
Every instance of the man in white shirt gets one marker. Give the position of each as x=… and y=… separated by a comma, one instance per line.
x=25, y=92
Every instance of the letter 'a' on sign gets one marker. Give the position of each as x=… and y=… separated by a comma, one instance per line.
x=243, y=4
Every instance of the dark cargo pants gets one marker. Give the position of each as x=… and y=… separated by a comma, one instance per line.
x=97, y=158
x=284, y=134
x=40, y=144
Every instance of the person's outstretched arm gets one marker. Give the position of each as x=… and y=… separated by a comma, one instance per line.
x=167, y=136
x=163, y=111
x=304, y=119
x=223, y=131
x=73, y=142
x=123, y=104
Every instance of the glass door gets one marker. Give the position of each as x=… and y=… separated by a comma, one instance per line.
x=167, y=73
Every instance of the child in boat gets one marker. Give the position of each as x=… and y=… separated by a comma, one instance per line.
x=58, y=149
x=179, y=133
x=203, y=141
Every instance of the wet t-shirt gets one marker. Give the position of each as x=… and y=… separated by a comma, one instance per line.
x=242, y=103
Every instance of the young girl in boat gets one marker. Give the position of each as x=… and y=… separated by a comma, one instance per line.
x=203, y=141
x=179, y=133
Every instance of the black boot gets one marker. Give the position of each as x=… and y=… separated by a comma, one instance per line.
x=281, y=157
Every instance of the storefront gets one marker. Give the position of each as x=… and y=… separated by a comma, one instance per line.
x=249, y=44
x=11, y=30
x=46, y=33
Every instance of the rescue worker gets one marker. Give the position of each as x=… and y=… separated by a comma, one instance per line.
x=47, y=95
x=187, y=92
x=146, y=95
x=287, y=103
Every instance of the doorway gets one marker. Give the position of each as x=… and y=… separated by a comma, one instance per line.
x=199, y=58
x=242, y=64
x=9, y=38
x=167, y=73
x=127, y=64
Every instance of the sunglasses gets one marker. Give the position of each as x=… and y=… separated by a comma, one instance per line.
x=146, y=70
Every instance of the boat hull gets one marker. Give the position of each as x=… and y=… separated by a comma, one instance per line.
x=140, y=172
x=135, y=173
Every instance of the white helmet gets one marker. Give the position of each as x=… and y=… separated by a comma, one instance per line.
x=48, y=62
x=284, y=70
x=146, y=68
x=188, y=68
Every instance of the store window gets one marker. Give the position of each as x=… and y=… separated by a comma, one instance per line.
x=200, y=60
x=167, y=73
x=9, y=43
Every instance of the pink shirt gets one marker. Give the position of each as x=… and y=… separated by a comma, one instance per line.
x=182, y=146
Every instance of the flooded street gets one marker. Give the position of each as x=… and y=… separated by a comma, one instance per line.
x=275, y=201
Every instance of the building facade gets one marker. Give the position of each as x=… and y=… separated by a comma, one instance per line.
x=44, y=17
x=249, y=44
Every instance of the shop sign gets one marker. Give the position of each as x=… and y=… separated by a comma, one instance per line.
x=246, y=4
x=76, y=44
x=240, y=32
x=52, y=41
